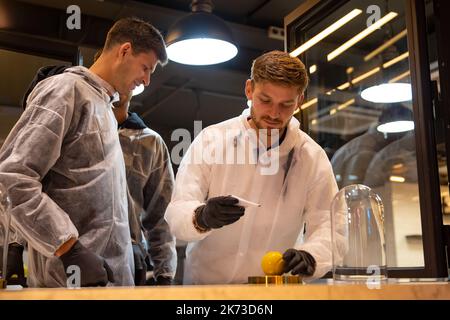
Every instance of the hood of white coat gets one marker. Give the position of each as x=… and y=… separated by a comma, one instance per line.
x=92, y=79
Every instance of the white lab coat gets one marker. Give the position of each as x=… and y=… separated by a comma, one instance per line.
x=64, y=170
x=299, y=193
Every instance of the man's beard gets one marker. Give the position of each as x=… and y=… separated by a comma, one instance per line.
x=259, y=125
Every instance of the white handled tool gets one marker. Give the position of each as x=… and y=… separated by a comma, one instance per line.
x=246, y=203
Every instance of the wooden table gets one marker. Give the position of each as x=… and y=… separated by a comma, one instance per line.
x=321, y=291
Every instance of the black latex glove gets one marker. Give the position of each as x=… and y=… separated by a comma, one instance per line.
x=299, y=262
x=15, y=264
x=140, y=266
x=218, y=212
x=163, y=281
x=94, y=270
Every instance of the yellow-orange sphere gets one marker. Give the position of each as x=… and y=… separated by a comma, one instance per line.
x=272, y=263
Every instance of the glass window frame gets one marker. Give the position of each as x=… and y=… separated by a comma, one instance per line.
x=435, y=262
x=442, y=23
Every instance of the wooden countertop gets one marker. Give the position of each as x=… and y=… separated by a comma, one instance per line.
x=322, y=291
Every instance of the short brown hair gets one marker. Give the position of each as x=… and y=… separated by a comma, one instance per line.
x=142, y=35
x=279, y=67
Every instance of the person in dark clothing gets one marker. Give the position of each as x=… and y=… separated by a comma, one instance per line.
x=150, y=182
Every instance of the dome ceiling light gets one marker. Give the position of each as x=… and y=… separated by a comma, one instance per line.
x=200, y=38
x=388, y=93
x=396, y=126
x=396, y=118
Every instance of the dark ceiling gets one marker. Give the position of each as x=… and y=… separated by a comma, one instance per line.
x=256, y=13
x=178, y=94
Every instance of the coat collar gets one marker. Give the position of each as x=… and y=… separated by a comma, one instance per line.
x=289, y=141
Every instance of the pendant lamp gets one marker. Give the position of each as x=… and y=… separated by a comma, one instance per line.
x=395, y=118
x=388, y=93
x=200, y=38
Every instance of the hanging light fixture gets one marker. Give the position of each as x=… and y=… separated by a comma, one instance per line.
x=388, y=93
x=200, y=38
x=391, y=91
x=396, y=126
x=395, y=118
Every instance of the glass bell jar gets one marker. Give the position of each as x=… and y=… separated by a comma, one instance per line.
x=358, y=238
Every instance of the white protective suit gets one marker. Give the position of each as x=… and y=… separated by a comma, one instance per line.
x=300, y=192
x=63, y=166
x=150, y=184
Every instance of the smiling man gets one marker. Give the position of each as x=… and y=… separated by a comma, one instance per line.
x=64, y=169
x=227, y=238
x=126, y=64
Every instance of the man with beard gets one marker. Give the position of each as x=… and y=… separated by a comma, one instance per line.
x=264, y=157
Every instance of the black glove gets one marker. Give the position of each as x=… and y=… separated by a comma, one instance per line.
x=140, y=266
x=218, y=212
x=163, y=281
x=93, y=268
x=15, y=264
x=299, y=262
